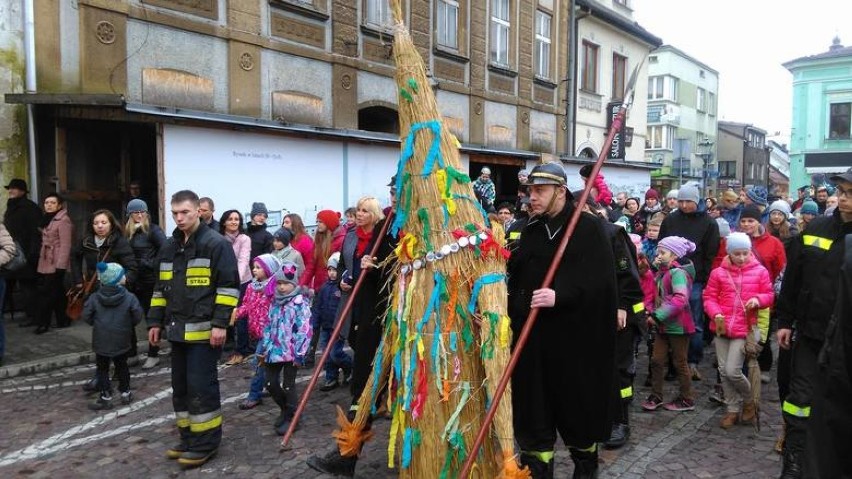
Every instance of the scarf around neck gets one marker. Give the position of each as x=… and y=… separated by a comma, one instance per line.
x=282, y=299
x=231, y=237
x=364, y=238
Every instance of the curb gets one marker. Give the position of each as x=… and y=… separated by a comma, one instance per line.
x=54, y=362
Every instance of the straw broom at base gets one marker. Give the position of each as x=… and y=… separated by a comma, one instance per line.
x=447, y=329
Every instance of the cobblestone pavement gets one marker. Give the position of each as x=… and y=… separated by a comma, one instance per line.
x=47, y=431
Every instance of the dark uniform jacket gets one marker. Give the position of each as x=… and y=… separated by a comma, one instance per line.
x=809, y=291
x=197, y=286
x=702, y=230
x=115, y=249
x=569, y=358
x=630, y=295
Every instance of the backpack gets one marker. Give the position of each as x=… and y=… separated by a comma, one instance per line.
x=18, y=260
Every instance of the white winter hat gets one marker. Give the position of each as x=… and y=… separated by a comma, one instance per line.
x=485, y=170
x=780, y=205
x=737, y=240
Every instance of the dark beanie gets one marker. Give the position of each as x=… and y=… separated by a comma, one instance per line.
x=751, y=211
x=283, y=235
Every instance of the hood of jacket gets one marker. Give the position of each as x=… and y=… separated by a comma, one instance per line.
x=110, y=296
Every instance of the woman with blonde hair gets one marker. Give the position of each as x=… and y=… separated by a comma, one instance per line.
x=145, y=239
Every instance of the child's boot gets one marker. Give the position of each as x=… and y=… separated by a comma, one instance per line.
x=103, y=403
x=334, y=464
x=729, y=420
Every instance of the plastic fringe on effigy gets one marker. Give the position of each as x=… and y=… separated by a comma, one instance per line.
x=447, y=334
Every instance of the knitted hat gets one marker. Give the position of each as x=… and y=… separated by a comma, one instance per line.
x=672, y=195
x=751, y=211
x=524, y=173
x=333, y=260
x=652, y=193
x=677, y=245
x=636, y=240
x=688, y=193
x=258, y=209
x=809, y=207
x=268, y=263
x=289, y=273
x=780, y=205
x=110, y=274
x=331, y=219
x=283, y=235
x=757, y=195
x=135, y=205
x=485, y=170
x=737, y=240
x=724, y=227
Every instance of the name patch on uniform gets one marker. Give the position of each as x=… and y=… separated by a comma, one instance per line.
x=622, y=264
x=198, y=281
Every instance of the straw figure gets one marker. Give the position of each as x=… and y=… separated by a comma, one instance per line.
x=447, y=333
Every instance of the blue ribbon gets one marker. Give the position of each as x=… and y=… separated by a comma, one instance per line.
x=490, y=278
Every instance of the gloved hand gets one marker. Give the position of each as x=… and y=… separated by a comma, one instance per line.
x=720, y=325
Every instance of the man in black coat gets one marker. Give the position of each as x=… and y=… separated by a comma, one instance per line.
x=564, y=376
x=22, y=219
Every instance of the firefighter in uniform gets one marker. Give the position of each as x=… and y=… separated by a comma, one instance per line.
x=193, y=298
x=564, y=376
x=808, y=297
x=830, y=425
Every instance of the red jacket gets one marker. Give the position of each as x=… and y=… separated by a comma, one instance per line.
x=769, y=250
x=720, y=295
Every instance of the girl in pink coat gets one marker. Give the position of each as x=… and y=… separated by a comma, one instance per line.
x=735, y=291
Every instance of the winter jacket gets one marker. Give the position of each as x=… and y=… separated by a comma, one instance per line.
x=115, y=249
x=255, y=307
x=287, y=336
x=114, y=312
x=732, y=216
x=146, y=247
x=326, y=302
x=730, y=287
x=769, y=251
x=305, y=246
x=22, y=219
x=485, y=192
x=7, y=246
x=649, y=249
x=649, y=289
x=56, y=243
x=287, y=253
x=261, y=240
x=241, y=245
x=702, y=230
x=674, y=285
x=809, y=292
x=197, y=287
x=316, y=277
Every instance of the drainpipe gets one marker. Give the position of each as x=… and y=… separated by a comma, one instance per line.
x=30, y=87
x=571, y=81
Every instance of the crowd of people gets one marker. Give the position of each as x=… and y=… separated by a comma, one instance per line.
x=680, y=272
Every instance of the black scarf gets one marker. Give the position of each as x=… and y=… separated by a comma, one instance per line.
x=46, y=218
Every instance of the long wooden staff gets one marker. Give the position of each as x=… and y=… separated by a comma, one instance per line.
x=617, y=123
x=334, y=334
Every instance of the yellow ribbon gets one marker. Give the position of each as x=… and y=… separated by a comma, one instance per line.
x=409, y=241
x=505, y=331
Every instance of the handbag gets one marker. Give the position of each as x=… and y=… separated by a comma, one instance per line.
x=18, y=260
x=77, y=296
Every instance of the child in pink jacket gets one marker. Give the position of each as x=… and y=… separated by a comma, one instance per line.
x=735, y=291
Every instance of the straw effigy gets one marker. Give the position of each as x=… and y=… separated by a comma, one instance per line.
x=447, y=333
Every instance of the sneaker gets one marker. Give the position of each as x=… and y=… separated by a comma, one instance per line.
x=718, y=395
x=101, y=404
x=126, y=397
x=693, y=369
x=91, y=385
x=235, y=359
x=652, y=403
x=151, y=362
x=680, y=404
x=250, y=404
x=329, y=385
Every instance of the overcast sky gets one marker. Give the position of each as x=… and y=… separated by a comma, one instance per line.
x=746, y=41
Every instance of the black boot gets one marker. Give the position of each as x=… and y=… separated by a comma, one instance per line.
x=619, y=436
x=538, y=468
x=792, y=468
x=334, y=464
x=585, y=463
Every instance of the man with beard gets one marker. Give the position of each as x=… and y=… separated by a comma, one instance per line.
x=564, y=376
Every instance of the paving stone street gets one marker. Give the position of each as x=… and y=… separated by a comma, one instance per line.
x=47, y=431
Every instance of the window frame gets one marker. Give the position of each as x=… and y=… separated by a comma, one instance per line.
x=838, y=117
x=666, y=134
x=543, y=46
x=442, y=34
x=619, y=75
x=669, y=87
x=370, y=16
x=588, y=74
x=701, y=99
x=496, y=25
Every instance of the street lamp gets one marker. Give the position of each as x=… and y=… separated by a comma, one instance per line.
x=705, y=152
